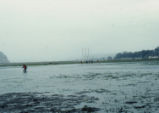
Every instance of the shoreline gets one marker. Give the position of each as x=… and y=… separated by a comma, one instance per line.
x=75, y=62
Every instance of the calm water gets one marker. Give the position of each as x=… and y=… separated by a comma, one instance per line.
x=133, y=87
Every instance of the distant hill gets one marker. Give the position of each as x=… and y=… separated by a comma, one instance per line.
x=3, y=58
x=144, y=54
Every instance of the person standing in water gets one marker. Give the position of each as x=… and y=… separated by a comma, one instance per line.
x=24, y=68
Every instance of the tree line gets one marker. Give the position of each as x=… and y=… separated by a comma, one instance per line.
x=144, y=54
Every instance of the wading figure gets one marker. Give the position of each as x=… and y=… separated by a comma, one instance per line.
x=24, y=68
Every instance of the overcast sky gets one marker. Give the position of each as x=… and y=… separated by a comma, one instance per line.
x=47, y=30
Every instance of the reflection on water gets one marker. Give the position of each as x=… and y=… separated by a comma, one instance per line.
x=115, y=87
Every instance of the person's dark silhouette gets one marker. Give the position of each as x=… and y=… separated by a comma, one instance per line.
x=24, y=68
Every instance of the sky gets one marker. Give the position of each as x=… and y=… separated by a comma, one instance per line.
x=49, y=30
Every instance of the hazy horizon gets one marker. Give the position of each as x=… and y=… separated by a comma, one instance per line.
x=49, y=30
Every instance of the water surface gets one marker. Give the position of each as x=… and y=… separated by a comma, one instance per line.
x=115, y=87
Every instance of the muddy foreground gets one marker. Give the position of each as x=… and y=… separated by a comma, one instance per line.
x=36, y=102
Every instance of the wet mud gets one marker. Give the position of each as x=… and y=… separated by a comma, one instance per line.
x=107, y=88
x=40, y=103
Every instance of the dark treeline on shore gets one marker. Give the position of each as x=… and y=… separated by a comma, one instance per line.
x=144, y=54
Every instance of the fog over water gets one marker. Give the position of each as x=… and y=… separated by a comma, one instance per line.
x=44, y=30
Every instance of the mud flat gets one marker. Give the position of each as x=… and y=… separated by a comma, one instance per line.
x=40, y=103
x=86, y=88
